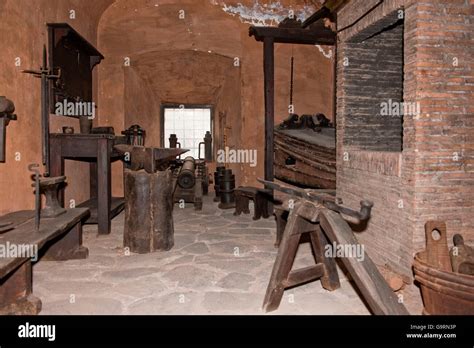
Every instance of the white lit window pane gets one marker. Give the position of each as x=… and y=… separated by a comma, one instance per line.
x=189, y=125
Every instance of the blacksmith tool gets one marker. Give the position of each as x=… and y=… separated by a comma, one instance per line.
x=323, y=198
x=6, y=115
x=33, y=167
x=151, y=159
x=46, y=75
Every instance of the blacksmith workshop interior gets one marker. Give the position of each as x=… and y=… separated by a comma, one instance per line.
x=236, y=157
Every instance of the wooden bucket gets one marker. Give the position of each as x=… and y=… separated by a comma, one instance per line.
x=444, y=292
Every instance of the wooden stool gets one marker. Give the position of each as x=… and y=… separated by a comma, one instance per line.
x=260, y=197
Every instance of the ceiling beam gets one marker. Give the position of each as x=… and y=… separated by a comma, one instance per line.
x=319, y=36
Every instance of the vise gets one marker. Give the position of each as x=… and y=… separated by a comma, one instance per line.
x=7, y=109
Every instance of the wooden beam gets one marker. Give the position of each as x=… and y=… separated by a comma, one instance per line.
x=269, y=85
x=304, y=275
x=318, y=36
x=374, y=288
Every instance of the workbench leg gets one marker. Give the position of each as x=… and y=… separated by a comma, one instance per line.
x=67, y=247
x=56, y=164
x=16, y=292
x=283, y=263
x=104, y=187
x=93, y=179
x=330, y=279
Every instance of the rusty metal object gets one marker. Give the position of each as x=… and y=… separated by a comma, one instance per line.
x=207, y=147
x=316, y=122
x=148, y=211
x=323, y=198
x=462, y=256
x=444, y=292
x=50, y=188
x=226, y=190
x=7, y=109
x=151, y=159
x=203, y=173
x=173, y=139
x=46, y=75
x=217, y=182
x=33, y=167
x=135, y=135
x=189, y=180
x=186, y=176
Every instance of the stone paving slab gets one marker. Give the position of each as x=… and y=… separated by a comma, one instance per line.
x=220, y=264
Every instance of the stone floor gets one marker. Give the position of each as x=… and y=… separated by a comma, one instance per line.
x=220, y=264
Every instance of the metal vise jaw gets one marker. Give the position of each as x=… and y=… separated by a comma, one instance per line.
x=7, y=109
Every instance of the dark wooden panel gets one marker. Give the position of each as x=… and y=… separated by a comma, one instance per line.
x=116, y=206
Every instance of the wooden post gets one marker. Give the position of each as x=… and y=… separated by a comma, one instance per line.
x=269, y=85
x=104, y=186
x=148, y=211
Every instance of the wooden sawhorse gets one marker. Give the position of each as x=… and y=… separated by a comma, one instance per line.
x=326, y=226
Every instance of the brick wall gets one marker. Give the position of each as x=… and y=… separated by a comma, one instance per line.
x=433, y=176
x=442, y=70
x=373, y=74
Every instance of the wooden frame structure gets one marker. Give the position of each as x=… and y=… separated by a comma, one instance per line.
x=317, y=34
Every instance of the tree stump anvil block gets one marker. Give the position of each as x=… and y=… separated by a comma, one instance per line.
x=148, y=211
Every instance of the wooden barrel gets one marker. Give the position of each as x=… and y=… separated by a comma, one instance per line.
x=443, y=292
x=148, y=211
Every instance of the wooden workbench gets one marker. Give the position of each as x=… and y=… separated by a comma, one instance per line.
x=98, y=150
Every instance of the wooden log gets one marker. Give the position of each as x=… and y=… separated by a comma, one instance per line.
x=148, y=211
x=378, y=294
